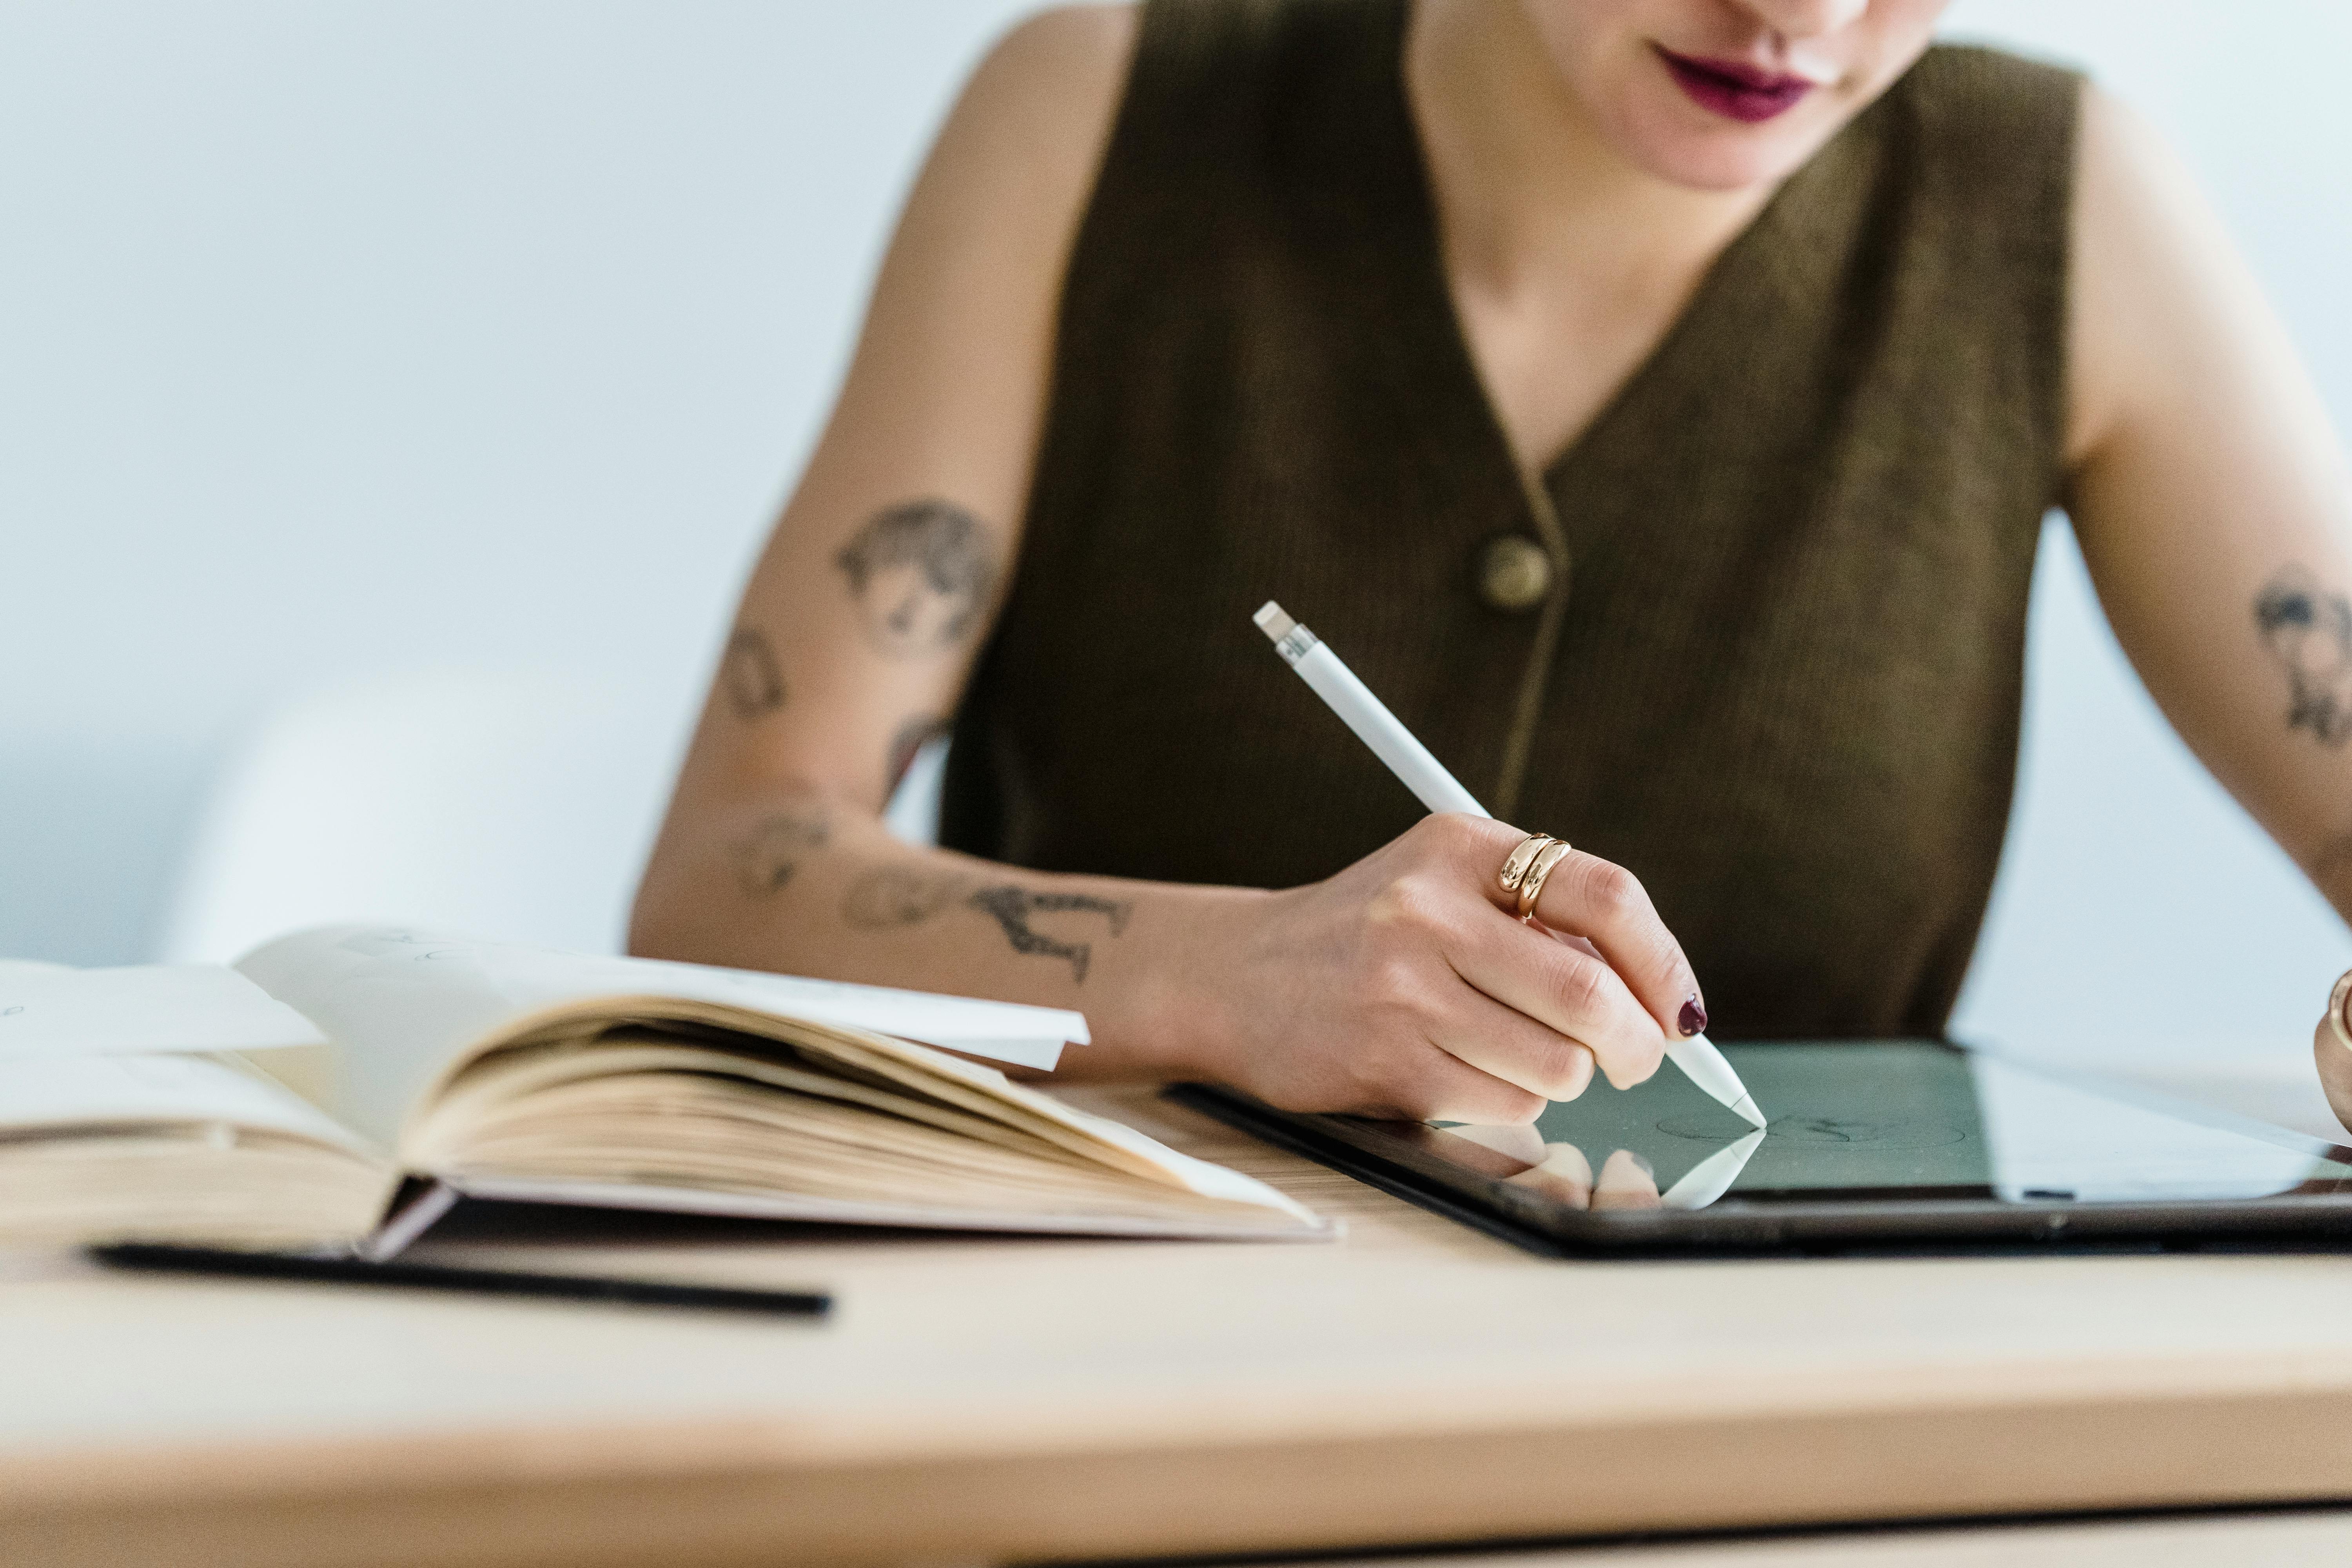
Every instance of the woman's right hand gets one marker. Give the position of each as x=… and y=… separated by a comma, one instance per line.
x=1562, y=1172
x=1406, y=987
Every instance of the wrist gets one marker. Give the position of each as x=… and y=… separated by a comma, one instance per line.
x=1188, y=1021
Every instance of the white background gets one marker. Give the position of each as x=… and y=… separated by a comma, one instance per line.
x=338, y=340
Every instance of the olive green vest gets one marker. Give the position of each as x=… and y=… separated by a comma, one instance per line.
x=1769, y=653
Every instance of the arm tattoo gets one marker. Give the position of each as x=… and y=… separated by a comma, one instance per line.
x=922, y=573
x=891, y=897
x=897, y=896
x=2308, y=632
x=911, y=737
x=1012, y=908
x=766, y=858
x=755, y=687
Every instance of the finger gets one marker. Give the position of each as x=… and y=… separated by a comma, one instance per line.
x=1447, y=1088
x=1563, y=988
x=1510, y=1044
x=1606, y=904
x=2335, y=1062
x=1565, y=1176
x=1626, y=1182
x=1518, y=1141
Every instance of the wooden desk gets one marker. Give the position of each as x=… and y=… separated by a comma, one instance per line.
x=2266, y=1540
x=986, y=1400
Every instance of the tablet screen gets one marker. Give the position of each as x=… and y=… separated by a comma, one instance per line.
x=1888, y=1122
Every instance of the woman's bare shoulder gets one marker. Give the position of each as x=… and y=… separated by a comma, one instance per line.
x=2155, y=289
x=1072, y=44
x=961, y=319
x=1047, y=93
x=990, y=221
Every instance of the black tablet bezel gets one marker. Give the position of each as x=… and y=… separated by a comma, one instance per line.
x=1385, y=1155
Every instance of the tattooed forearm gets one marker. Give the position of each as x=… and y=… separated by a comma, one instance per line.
x=922, y=573
x=2308, y=632
x=910, y=739
x=1010, y=907
x=767, y=857
x=891, y=897
x=754, y=685
x=898, y=896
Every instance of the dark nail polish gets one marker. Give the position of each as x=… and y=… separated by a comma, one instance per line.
x=1693, y=1017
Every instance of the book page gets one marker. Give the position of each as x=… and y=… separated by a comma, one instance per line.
x=53, y=1094
x=639, y=1071
x=49, y=1009
x=404, y=1004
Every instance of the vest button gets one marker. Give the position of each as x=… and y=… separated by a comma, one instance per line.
x=1514, y=572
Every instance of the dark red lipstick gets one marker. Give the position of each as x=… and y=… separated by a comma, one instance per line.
x=1735, y=89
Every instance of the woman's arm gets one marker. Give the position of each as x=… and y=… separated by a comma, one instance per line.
x=2211, y=496
x=862, y=618
x=1402, y=985
x=2211, y=500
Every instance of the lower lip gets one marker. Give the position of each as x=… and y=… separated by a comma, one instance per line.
x=1733, y=100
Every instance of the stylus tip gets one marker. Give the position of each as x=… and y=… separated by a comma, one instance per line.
x=1746, y=1107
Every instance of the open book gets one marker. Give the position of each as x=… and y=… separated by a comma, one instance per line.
x=506, y=1073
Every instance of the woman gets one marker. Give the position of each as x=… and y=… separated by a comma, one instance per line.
x=1654, y=400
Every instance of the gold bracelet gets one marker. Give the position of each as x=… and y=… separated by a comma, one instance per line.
x=1531, y=885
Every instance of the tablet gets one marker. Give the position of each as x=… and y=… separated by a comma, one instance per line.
x=1870, y=1145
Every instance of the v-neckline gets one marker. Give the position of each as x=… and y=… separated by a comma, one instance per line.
x=1652, y=366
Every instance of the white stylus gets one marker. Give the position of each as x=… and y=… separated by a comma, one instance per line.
x=1423, y=775
x=1711, y=1177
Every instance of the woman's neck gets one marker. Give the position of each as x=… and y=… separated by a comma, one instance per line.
x=1525, y=171
x=1567, y=262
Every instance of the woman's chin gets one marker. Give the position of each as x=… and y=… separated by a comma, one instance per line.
x=1717, y=155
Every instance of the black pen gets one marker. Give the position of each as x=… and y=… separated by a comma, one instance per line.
x=161, y=1258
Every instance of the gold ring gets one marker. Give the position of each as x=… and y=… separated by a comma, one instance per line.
x=2336, y=1022
x=1516, y=866
x=1531, y=885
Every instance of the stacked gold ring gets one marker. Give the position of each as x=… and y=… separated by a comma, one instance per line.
x=1529, y=863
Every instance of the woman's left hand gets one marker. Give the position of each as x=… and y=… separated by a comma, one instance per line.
x=2331, y=1050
